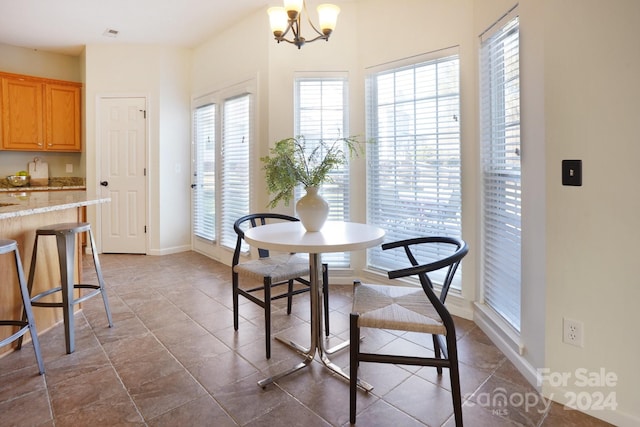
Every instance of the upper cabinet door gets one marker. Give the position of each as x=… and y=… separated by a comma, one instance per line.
x=40, y=114
x=22, y=115
x=62, y=117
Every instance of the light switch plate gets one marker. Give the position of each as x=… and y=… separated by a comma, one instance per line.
x=572, y=172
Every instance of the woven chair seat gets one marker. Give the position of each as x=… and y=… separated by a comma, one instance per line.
x=278, y=267
x=396, y=307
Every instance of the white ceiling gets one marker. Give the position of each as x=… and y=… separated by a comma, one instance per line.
x=66, y=26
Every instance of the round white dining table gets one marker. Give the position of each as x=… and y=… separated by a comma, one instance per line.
x=334, y=236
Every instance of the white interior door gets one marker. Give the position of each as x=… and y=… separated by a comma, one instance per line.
x=123, y=174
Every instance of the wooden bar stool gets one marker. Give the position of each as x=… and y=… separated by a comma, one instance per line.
x=65, y=235
x=27, y=324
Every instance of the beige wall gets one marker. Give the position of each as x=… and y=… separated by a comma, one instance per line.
x=592, y=63
x=34, y=62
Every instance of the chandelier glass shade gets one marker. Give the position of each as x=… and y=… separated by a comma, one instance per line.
x=286, y=21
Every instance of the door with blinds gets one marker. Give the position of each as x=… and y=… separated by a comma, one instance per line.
x=204, y=172
x=222, y=141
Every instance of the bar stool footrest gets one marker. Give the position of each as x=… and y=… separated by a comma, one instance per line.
x=36, y=303
x=96, y=291
x=24, y=327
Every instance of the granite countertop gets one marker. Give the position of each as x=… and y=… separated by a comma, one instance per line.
x=21, y=203
x=55, y=183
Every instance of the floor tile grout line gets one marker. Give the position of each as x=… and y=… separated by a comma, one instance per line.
x=104, y=351
x=178, y=361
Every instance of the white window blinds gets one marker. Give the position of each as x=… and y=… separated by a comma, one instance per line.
x=321, y=114
x=413, y=183
x=204, y=200
x=500, y=134
x=236, y=170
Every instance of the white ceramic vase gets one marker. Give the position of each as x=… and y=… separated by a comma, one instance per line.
x=312, y=210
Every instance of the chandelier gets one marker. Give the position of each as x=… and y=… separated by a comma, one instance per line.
x=288, y=18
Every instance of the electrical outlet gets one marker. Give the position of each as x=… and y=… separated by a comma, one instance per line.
x=572, y=332
x=69, y=168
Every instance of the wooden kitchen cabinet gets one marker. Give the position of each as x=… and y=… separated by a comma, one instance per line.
x=22, y=114
x=62, y=117
x=40, y=114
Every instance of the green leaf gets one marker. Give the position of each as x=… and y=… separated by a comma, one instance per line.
x=290, y=163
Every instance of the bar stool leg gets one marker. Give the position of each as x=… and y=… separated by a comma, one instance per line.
x=26, y=302
x=32, y=269
x=27, y=323
x=66, y=257
x=96, y=266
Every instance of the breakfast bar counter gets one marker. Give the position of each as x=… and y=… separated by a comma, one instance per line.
x=21, y=213
x=25, y=203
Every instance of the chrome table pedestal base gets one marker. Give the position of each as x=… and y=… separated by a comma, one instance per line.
x=317, y=340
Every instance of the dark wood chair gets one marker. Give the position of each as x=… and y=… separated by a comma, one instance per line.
x=411, y=308
x=274, y=271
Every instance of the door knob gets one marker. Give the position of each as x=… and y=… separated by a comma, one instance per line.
x=104, y=183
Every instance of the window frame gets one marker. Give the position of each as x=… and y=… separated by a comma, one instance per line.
x=419, y=115
x=501, y=223
x=336, y=199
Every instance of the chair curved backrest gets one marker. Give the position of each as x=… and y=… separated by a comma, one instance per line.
x=255, y=220
x=459, y=250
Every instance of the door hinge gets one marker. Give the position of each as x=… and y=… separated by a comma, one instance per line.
x=145, y=229
x=144, y=112
x=145, y=172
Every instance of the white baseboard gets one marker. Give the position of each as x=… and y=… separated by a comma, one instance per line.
x=169, y=251
x=507, y=341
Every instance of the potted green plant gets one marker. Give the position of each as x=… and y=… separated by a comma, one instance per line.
x=291, y=162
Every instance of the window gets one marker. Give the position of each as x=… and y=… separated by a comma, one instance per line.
x=500, y=137
x=414, y=162
x=221, y=166
x=321, y=114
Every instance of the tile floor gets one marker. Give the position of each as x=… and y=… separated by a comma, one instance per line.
x=174, y=359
